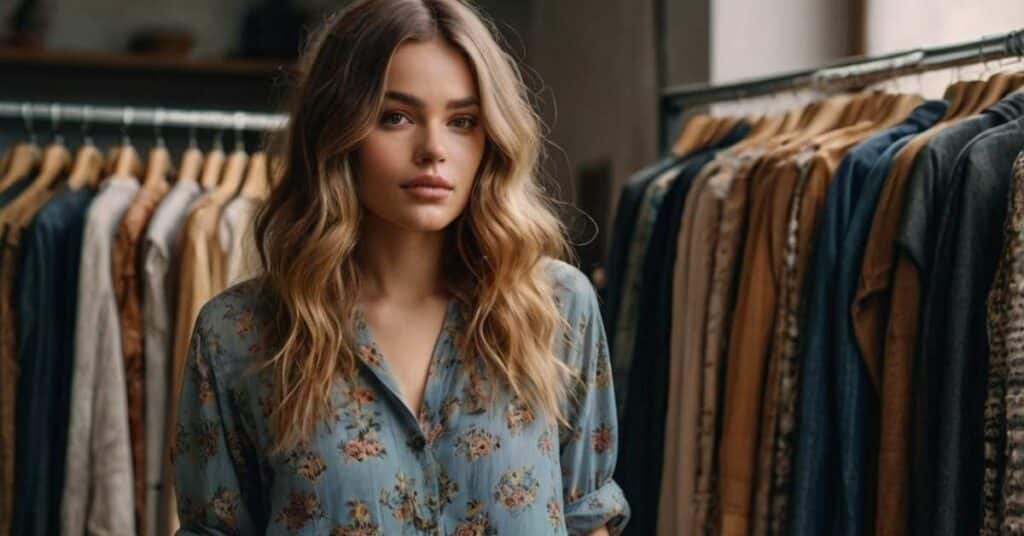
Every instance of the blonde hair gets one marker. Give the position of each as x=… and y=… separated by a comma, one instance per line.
x=307, y=230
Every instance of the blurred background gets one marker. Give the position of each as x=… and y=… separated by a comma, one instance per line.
x=597, y=65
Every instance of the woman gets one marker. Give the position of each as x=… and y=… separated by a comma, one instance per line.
x=416, y=358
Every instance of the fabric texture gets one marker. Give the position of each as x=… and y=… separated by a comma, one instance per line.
x=47, y=296
x=158, y=306
x=98, y=493
x=238, y=241
x=953, y=334
x=643, y=428
x=1003, y=483
x=376, y=468
x=125, y=261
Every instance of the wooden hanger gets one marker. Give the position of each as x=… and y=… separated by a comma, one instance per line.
x=973, y=97
x=128, y=162
x=213, y=166
x=234, y=173
x=24, y=157
x=722, y=129
x=998, y=86
x=898, y=108
x=191, y=163
x=56, y=160
x=690, y=136
x=86, y=168
x=256, y=185
x=158, y=166
x=827, y=117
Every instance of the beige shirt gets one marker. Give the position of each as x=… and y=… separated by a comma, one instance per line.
x=690, y=286
x=158, y=306
x=238, y=241
x=98, y=496
x=201, y=275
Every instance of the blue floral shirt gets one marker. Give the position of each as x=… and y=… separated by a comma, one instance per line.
x=375, y=468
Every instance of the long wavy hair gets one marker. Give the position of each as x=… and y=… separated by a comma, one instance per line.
x=309, y=227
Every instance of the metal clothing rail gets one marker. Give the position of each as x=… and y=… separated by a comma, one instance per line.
x=127, y=116
x=847, y=73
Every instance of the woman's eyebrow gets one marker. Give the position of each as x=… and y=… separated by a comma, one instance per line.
x=415, y=101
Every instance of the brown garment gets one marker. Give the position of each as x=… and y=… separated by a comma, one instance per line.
x=732, y=191
x=884, y=314
x=201, y=275
x=127, y=282
x=753, y=321
x=747, y=446
x=690, y=284
x=10, y=241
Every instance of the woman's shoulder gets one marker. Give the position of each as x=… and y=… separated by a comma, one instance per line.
x=573, y=289
x=236, y=325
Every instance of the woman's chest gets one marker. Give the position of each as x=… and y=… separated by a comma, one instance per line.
x=457, y=464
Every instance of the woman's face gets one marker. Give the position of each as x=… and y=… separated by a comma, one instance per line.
x=430, y=123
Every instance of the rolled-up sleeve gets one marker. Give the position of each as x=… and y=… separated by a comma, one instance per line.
x=212, y=457
x=588, y=451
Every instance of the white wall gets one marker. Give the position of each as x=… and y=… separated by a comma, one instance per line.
x=750, y=38
x=894, y=25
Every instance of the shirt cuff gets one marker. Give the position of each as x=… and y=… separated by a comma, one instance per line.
x=605, y=506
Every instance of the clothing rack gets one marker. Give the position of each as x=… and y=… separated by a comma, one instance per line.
x=126, y=116
x=845, y=74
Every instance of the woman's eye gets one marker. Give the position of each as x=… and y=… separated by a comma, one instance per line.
x=392, y=118
x=466, y=122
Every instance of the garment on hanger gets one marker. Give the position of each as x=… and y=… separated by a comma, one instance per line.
x=158, y=307
x=1003, y=468
x=833, y=437
x=46, y=301
x=887, y=302
x=626, y=213
x=650, y=353
x=237, y=239
x=125, y=260
x=953, y=338
x=98, y=488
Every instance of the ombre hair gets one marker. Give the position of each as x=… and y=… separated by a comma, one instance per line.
x=308, y=229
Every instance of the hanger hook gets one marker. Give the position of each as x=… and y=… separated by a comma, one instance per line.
x=218, y=138
x=193, y=143
x=239, y=126
x=157, y=122
x=55, y=123
x=27, y=118
x=86, y=137
x=984, y=62
x=126, y=121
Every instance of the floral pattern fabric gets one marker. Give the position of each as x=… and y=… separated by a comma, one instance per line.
x=374, y=468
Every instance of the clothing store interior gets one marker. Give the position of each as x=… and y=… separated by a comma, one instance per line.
x=804, y=222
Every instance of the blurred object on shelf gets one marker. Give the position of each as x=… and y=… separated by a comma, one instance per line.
x=162, y=41
x=27, y=24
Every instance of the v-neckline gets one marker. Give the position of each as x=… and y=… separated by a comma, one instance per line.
x=379, y=365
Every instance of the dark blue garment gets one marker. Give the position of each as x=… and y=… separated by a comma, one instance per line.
x=928, y=186
x=622, y=234
x=830, y=488
x=970, y=240
x=46, y=300
x=643, y=425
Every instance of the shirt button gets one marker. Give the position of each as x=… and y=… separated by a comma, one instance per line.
x=418, y=443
